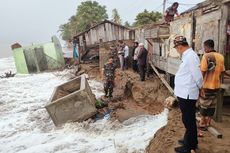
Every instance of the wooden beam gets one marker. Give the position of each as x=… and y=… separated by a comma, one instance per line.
x=212, y=130
x=219, y=106
x=149, y=42
x=162, y=79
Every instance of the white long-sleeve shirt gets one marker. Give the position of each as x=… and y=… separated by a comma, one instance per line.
x=136, y=52
x=188, y=79
x=126, y=51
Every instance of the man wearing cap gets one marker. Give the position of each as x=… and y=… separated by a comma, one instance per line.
x=188, y=81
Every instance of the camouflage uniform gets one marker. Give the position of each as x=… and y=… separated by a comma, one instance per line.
x=109, y=73
x=113, y=53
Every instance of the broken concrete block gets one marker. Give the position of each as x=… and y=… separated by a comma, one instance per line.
x=72, y=101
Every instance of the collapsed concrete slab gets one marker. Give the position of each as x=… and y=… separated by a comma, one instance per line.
x=72, y=101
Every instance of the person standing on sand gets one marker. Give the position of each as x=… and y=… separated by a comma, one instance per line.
x=134, y=56
x=109, y=75
x=212, y=67
x=126, y=56
x=121, y=54
x=188, y=81
x=142, y=61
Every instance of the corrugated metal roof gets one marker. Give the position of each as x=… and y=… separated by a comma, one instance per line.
x=105, y=21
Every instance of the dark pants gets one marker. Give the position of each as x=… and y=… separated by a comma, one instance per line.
x=188, y=110
x=126, y=62
x=108, y=88
x=135, y=66
x=142, y=69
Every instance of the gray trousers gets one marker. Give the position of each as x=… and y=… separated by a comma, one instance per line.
x=121, y=58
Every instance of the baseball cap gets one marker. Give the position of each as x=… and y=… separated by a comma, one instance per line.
x=179, y=40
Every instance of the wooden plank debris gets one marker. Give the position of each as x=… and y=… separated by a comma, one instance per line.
x=212, y=130
x=170, y=100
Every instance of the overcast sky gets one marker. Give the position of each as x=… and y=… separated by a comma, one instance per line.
x=35, y=21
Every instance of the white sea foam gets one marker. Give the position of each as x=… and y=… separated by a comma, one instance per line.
x=26, y=127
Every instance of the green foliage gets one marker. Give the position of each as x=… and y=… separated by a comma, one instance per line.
x=65, y=32
x=100, y=104
x=116, y=17
x=88, y=14
x=147, y=17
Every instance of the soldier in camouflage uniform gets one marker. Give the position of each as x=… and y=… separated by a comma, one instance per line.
x=113, y=54
x=109, y=73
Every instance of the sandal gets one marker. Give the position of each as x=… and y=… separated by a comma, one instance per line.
x=202, y=128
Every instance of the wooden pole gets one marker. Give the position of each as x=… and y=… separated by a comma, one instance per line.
x=219, y=106
x=212, y=130
x=164, y=4
x=162, y=79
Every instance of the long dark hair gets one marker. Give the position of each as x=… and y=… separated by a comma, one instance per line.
x=175, y=4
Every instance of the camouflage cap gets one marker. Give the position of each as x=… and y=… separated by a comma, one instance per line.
x=179, y=40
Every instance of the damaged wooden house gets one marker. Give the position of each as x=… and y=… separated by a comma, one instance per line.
x=38, y=57
x=207, y=20
x=106, y=32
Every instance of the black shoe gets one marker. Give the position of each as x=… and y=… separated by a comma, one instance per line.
x=182, y=150
x=181, y=142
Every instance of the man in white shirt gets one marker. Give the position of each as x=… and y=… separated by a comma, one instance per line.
x=126, y=56
x=188, y=81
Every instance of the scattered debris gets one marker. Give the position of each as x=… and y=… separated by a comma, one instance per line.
x=15, y=45
x=8, y=75
x=100, y=104
x=212, y=130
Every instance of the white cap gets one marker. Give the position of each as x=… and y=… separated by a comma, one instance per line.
x=141, y=44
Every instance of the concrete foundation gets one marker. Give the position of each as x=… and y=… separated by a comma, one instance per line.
x=72, y=102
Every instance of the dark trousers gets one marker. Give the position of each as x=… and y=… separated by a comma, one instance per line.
x=126, y=62
x=142, y=69
x=135, y=66
x=108, y=88
x=188, y=110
